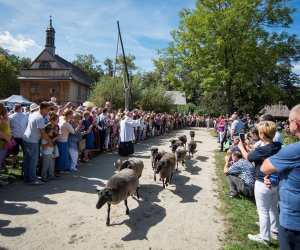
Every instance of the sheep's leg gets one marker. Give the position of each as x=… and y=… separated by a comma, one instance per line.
x=137, y=192
x=127, y=209
x=154, y=176
x=163, y=180
x=108, y=212
x=170, y=178
x=177, y=166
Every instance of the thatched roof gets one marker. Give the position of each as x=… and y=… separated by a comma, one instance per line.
x=277, y=111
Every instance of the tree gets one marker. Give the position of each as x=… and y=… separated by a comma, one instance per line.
x=229, y=49
x=8, y=78
x=90, y=65
x=10, y=66
x=109, y=70
x=146, y=98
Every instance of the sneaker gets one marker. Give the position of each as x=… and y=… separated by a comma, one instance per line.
x=233, y=196
x=74, y=169
x=44, y=180
x=36, y=183
x=274, y=235
x=258, y=239
x=53, y=178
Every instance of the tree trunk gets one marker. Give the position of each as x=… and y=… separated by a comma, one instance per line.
x=229, y=104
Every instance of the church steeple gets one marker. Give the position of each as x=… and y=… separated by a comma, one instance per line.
x=50, y=39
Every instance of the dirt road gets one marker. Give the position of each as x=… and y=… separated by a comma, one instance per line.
x=62, y=214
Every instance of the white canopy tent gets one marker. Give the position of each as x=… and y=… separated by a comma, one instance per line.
x=16, y=99
x=178, y=97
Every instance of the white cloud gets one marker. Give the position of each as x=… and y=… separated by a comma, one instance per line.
x=18, y=44
x=296, y=68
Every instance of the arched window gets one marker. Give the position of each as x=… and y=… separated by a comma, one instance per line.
x=45, y=65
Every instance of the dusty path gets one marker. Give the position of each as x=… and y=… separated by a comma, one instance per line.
x=62, y=214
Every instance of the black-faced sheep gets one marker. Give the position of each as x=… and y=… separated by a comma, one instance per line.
x=183, y=138
x=117, y=189
x=192, y=145
x=136, y=165
x=153, y=153
x=165, y=167
x=175, y=144
x=180, y=155
x=157, y=157
x=192, y=134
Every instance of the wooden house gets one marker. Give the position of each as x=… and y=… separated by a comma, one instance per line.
x=49, y=75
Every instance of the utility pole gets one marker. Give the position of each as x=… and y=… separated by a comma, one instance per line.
x=127, y=82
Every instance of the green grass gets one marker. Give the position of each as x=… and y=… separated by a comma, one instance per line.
x=12, y=174
x=240, y=215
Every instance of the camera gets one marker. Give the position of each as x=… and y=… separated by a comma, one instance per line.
x=242, y=137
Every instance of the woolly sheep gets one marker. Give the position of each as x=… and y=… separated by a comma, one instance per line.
x=153, y=153
x=165, y=167
x=192, y=134
x=117, y=189
x=175, y=144
x=180, y=154
x=136, y=165
x=157, y=157
x=183, y=138
x=192, y=145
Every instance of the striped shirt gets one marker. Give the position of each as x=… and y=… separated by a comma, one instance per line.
x=244, y=169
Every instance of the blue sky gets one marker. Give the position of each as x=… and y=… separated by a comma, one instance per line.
x=89, y=26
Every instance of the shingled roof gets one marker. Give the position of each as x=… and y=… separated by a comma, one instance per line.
x=76, y=73
x=277, y=111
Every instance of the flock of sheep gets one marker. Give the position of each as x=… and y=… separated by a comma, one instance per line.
x=126, y=181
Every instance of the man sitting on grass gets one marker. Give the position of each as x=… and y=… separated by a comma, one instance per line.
x=240, y=175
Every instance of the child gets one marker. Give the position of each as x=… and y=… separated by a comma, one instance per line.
x=47, y=157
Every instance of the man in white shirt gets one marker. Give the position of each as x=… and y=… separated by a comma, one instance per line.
x=127, y=134
x=18, y=123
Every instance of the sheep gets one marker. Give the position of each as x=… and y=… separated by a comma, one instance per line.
x=192, y=134
x=183, y=138
x=180, y=154
x=165, y=167
x=192, y=145
x=176, y=144
x=136, y=165
x=158, y=156
x=117, y=189
x=154, y=151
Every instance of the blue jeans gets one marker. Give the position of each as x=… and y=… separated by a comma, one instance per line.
x=289, y=239
x=3, y=153
x=30, y=160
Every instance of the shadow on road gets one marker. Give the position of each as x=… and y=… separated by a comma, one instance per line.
x=10, y=231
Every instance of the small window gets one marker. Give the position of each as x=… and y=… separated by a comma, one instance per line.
x=53, y=89
x=34, y=88
x=45, y=65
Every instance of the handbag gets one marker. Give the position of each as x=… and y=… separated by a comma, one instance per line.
x=10, y=145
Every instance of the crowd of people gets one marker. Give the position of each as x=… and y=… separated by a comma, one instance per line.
x=56, y=139
x=260, y=167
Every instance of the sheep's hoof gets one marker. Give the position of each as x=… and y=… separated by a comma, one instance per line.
x=127, y=211
x=107, y=223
